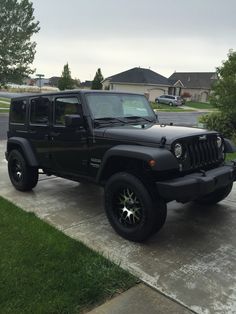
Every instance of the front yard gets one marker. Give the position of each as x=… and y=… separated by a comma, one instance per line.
x=44, y=271
x=168, y=108
x=4, y=104
x=199, y=105
x=230, y=156
x=188, y=106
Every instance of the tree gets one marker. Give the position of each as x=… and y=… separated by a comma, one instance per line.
x=66, y=81
x=224, y=90
x=97, y=81
x=224, y=98
x=17, y=25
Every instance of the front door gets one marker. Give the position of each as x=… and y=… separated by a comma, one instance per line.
x=69, y=146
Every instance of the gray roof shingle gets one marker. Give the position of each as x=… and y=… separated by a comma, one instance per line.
x=194, y=79
x=139, y=76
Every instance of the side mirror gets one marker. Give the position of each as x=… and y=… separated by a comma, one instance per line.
x=73, y=120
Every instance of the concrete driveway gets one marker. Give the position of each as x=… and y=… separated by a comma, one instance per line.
x=192, y=260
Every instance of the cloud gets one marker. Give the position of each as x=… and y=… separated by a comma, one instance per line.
x=118, y=35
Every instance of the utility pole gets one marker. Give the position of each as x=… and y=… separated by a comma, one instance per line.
x=40, y=80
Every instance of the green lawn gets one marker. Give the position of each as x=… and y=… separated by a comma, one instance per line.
x=230, y=156
x=4, y=103
x=168, y=108
x=5, y=99
x=4, y=110
x=199, y=105
x=44, y=271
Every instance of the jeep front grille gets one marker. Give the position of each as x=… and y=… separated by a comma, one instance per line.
x=203, y=153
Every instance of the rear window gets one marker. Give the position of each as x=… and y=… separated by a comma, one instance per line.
x=18, y=111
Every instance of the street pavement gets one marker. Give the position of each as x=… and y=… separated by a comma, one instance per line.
x=180, y=118
x=191, y=261
x=3, y=125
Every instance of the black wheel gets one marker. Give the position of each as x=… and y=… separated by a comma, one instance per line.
x=171, y=103
x=215, y=197
x=22, y=176
x=131, y=209
x=157, y=101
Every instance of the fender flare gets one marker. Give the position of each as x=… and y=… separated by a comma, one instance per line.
x=26, y=148
x=165, y=160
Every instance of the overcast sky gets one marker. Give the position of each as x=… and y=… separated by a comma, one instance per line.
x=116, y=35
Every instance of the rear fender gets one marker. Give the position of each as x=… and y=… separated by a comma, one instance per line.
x=26, y=148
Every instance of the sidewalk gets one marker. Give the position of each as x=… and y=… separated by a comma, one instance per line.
x=140, y=300
x=198, y=110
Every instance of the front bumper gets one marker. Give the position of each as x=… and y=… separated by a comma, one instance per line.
x=192, y=186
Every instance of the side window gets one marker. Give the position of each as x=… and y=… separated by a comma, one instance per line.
x=64, y=106
x=39, y=110
x=18, y=111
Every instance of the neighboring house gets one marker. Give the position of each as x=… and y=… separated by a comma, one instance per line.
x=138, y=80
x=53, y=81
x=41, y=82
x=86, y=85
x=197, y=84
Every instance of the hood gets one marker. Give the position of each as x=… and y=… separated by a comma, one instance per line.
x=151, y=134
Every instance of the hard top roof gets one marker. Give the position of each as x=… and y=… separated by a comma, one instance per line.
x=74, y=91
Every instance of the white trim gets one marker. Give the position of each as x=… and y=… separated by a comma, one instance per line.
x=179, y=81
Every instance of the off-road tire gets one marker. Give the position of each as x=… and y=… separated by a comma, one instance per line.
x=149, y=213
x=22, y=176
x=216, y=196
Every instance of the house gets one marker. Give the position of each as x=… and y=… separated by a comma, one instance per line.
x=196, y=85
x=138, y=80
x=86, y=85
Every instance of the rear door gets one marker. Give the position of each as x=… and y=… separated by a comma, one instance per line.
x=39, y=128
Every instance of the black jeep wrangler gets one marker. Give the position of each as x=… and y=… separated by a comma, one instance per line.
x=114, y=140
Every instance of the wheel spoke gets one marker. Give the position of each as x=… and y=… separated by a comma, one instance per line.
x=129, y=207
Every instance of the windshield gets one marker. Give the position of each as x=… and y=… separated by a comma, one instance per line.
x=119, y=106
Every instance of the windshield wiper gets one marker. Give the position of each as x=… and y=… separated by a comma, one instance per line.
x=139, y=117
x=108, y=120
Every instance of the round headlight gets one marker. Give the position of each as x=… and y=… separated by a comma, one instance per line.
x=219, y=141
x=178, y=150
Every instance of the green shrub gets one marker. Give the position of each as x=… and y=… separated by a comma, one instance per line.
x=220, y=122
x=233, y=137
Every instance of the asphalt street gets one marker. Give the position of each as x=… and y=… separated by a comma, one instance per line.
x=3, y=126
x=177, y=118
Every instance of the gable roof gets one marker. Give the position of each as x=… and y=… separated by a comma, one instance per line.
x=139, y=76
x=194, y=79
